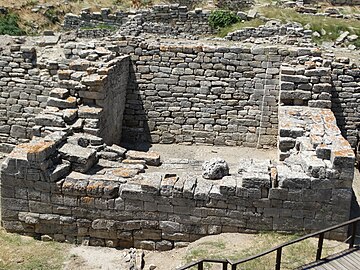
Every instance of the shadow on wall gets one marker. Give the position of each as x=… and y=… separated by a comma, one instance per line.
x=136, y=131
x=338, y=110
x=354, y=213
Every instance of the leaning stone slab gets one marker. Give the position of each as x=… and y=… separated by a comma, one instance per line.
x=202, y=190
x=167, y=184
x=116, y=149
x=151, y=158
x=82, y=159
x=190, y=182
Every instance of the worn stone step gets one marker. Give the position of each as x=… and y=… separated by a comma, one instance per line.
x=68, y=103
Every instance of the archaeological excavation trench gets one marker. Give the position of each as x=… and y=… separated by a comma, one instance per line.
x=76, y=108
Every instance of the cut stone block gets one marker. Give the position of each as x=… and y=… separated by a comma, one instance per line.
x=89, y=112
x=49, y=120
x=82, y=159
x=60, y=93
x=116, y=149
x=151, y=158
x=70, y=102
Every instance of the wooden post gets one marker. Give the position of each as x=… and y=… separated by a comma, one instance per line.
x=353, y=234
x=225, y=266
x=278, y=258
x=320, y=246
x=201, y=266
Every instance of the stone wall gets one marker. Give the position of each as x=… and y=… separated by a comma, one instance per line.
x=205, y=94
x=160, y=19
x=346, y=98
x=41, y=95
x=112, y=207
x=273, y=32
x=24, y=88
x=234, y=4
x=326, y=83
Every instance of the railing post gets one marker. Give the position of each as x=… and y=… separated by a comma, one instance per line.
x=225, y=266
x=278, y=258
x=233, y=267
x=320, y=246
x=201, y=266
x=353, y=234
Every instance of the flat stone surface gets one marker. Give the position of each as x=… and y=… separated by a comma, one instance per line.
x=151, y=158
x=82, y=159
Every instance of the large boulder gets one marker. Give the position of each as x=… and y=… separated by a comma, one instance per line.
x=215, y=168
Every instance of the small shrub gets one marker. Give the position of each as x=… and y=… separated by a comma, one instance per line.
x=222, y=18
x=52, y=15
x=9, y=25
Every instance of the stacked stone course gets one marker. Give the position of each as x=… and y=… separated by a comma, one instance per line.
x=24, y=89
x=160, y=19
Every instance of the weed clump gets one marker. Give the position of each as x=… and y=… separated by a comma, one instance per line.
x=222, y=18
x=9, y=25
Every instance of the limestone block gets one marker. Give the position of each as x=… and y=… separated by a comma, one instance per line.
x=151, y=158
x=60, y=93
x=69, y=102
x=292, y=179
x=116, y=149
x=215, y=168
x=82, y=159
x=49, y=120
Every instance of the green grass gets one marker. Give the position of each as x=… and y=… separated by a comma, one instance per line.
x=293, y=256
x=9, y=25
x=332, y=26
x=25, y=253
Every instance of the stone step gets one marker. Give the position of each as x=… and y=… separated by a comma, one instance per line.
x=60, y=93
x=50, y=120
x=89, y=112
x=68, y=103
x=82, y=159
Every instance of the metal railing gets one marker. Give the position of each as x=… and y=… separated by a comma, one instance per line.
x=225, y=262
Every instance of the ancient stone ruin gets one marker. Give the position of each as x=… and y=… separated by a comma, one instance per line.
x=68, y=103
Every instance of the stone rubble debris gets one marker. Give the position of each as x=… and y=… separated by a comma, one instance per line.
x=215, y=169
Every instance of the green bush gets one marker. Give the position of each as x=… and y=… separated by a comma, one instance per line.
x=222, y=18
x=9, y=25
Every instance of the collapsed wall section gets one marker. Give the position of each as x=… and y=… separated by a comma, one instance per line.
x=41, y=94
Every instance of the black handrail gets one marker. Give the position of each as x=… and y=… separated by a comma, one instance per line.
x=278, y=249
